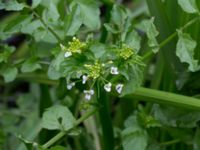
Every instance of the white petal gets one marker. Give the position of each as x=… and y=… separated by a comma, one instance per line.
x=87, y=96
x=119, y=88
x=84, y=79
x=69, y=87
x=107, y=87
x=91, y=92
x=114, y=70
x=67, y=54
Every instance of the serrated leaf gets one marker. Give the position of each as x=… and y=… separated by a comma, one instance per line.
x=10, y=5
x=133, y=136
x=58, y=118
x=90, y=13
x=30, y=65
x=185, y=50
x=152, y=33
x=9, y=73
x=188, y=6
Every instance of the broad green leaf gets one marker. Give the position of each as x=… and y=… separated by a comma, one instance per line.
x=185, y=50
x=90, y=13
x=73, y=21
x=9, y=73
x=151, y=31
x=10, y=5
x=58, y=118
x=133, y=40
x=30, y=65
x=118, y=15
x=133, y=136
x=188, y=6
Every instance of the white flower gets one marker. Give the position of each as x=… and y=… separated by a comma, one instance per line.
x=68, y=54
x=88, y=94
x=70, y=85
x=84, y=79
x=114, y=70
x=119, y=88
x=107, y=87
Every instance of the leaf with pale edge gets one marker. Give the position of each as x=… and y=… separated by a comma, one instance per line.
x=185, y=50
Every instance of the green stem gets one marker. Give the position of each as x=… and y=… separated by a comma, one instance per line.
x=105, y=120
x=61, y=134
x=47, y=27
x=161, y=97
x=149, y=54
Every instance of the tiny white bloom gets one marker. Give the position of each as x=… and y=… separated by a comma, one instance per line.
x=68, y=54
x=87, y=96
x=84, y=79
x=107, y=87
x=114, y=70
x=119, y=88
x=70, y=85
x=92, y=92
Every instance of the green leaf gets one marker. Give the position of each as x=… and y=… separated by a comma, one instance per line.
x=118, y=15
x=151, y=31
x=133, y=136
x=133, y=40
x=185, y=50
x=7, y=51
x=35, y=3
x=30, y=65
x=58, y=118
x=188, y=6
x=90, y=13
x=9, y=73
x=73, y=21
x=29, y=145
x=173, y=117
x=111, y=28
x=98, y=50
x=10, y=5
x=134, y=75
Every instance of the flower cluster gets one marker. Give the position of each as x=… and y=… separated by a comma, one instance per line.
x=94, y=70
x=97, y=69
x=75, y=46
x=126, y=52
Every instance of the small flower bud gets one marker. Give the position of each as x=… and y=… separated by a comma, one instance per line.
x=119, y=88
x=107, y=87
